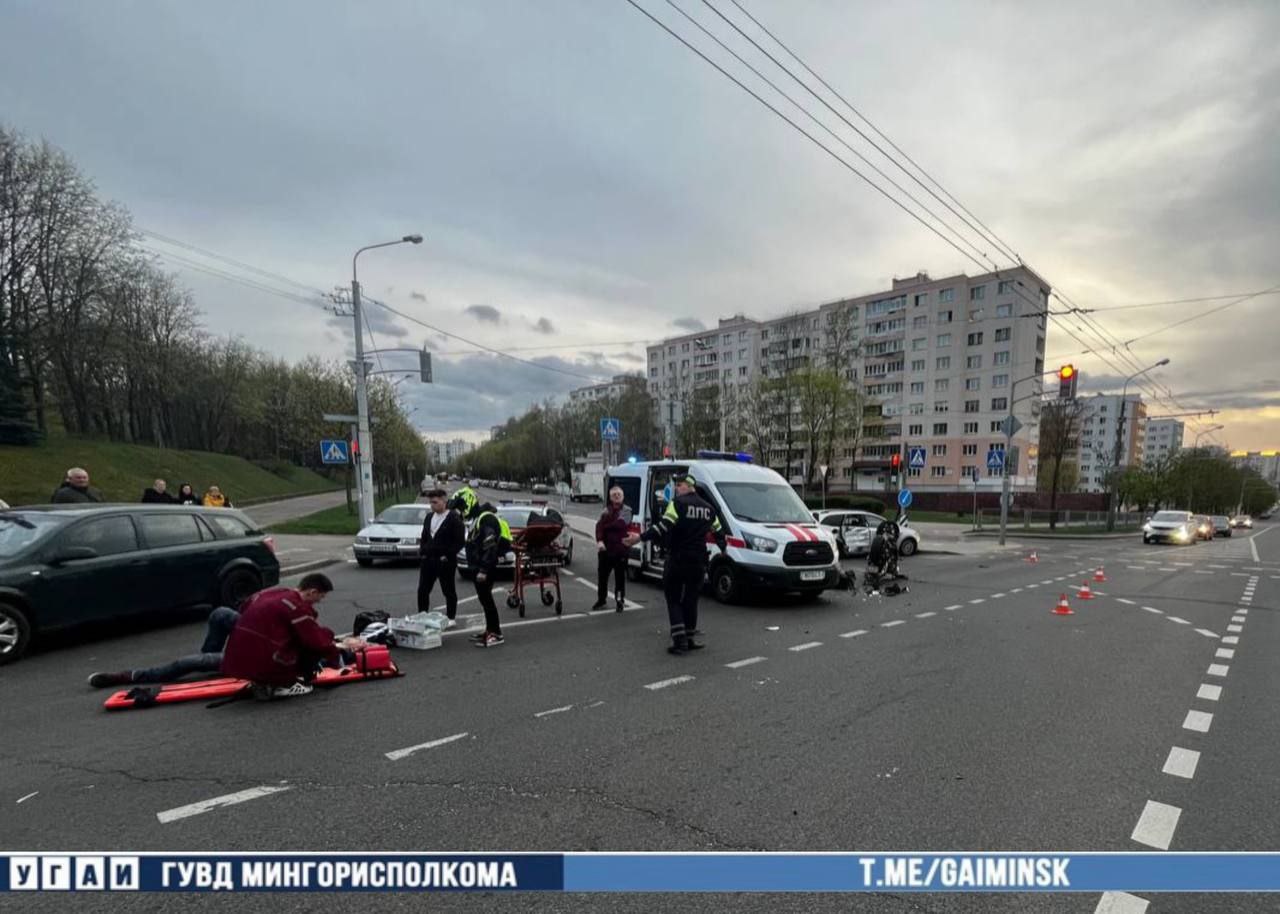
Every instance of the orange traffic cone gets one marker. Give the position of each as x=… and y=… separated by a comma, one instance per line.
x=1033, y=558
x=1084, y=593
x=1099, y=577
x=1063, y=608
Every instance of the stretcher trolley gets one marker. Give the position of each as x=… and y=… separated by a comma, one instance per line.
x=538, y=557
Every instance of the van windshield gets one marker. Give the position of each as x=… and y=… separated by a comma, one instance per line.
x=764, y=503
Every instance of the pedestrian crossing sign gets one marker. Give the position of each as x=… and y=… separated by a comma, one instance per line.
x=995, y=459
x=334, y=450
x=915, y=458
x=609, y=429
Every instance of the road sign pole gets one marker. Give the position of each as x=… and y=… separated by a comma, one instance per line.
x=365, y=437
x=1004, y=482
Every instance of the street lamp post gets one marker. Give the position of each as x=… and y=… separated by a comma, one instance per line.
x=1008, y=445
x=1115, y=463
x=364, y=435
x=1195, y=446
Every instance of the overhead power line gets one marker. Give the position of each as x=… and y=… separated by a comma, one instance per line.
x=1103, y=309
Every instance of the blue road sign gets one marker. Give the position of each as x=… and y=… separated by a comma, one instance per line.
x=334, y=450
x=609, y=429
x=995, y=459
x=915, y=458
x=904, y=498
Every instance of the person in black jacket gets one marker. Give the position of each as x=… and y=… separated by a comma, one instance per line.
x=489, y=538
x=684, y=526
x=156, y=495
x=443, y=534
x=75, y=489
x=187, y=495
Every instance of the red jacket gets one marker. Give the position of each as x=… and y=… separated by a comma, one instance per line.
x=276, y=639
x=611, y=528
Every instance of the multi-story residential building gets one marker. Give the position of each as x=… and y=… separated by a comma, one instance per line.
x=1265, y=463
x=445, y=452
x=1100, y=417
x=1163, y=438
x=609, y=390
x=937, y=359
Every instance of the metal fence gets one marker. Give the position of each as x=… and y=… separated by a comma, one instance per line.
x=1026, y=519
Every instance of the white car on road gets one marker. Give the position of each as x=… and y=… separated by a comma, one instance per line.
x=394, y=534
x=855, y=530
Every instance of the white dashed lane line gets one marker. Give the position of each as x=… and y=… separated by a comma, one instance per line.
x=1218, y=669
x=1206, y=633
x=665, y=683
x=1126, y=602
x=550, y=711
x=1209, y=692
x=397, y=754
x=978, y=600
x=1121, y=903
x=892, y=623
x=854, y=634
x=1230, y=639
x=1235, y=629
x=1225, y=653
x=1178, y=620
x=1152, y=609
x=925, y=615
x=1181, y=763
x=739, y=664
x=1199, y=721
x=808, y=645
x=230, y=799
x=1156, y=825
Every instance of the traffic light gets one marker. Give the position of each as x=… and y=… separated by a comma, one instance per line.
x=895, y=462
x=1068, y=377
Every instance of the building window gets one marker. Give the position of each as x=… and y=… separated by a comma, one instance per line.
x=1000, y=380
x=919, y=343
x=1002, y=335
x=1001, y=358
x=917, y=387
x=944, y=317
x=969, y=450
x=1004, y=310
x=975, y=339
x=939, y=450
x=938, y=471
x=944, y=340
x=920, y=321
x=972, y=406
x=939, y=428
x=947, y=295
x=742, y=371
x=917, y=364
x=916, y=409
x=684, y=347
x=975, y=314
x=997, y=426
x=922, y=299
x=973, y=362
x=977, y=293
x=999, y=404
x=913, y=471
x=943, y=363
x=1006, y=286
x=915, y=430
x=653, y=372
x=972, y=383
x=941, y=385
x=969, y=472
x=742, y=336
x=971, y=428
x=941, y=406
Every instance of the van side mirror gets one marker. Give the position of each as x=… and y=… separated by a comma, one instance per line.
x=72, y=554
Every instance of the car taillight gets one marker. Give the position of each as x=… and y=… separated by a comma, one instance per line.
x=270, y=542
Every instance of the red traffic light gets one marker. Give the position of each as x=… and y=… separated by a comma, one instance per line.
x=895, y=461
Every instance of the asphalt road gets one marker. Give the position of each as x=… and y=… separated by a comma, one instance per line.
x=963, y=715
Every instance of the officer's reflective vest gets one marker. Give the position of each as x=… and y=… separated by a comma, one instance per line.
x=502, y=524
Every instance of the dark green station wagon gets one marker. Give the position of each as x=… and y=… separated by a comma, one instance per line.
x=64, y=565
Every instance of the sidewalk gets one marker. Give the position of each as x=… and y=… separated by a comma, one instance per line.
x=273, y=512
x=298, y=553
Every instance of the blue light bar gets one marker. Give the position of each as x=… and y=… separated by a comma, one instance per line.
x=739, y=456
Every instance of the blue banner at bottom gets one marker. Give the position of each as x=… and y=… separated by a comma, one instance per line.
x=642, y=872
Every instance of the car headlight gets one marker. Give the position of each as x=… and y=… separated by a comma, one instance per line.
x=362, y=540
x=409, y=541
x=762, y=543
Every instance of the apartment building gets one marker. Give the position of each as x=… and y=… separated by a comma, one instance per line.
x=937, y=359
x=609, y=390
x=1099, y=419
x=1265, y=463
x=445, y=452
x=1163, y=438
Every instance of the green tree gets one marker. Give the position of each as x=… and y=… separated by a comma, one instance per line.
x=1059, y=438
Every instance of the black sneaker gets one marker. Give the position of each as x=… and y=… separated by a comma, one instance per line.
x=693, y=645
x=106, y=680
x=622, y=603
x=490, y=640
x=679, y=648
x=599, y=604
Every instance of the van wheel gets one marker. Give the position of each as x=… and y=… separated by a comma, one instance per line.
x=724, y=583
x=15, y=633
x=907, y=547
x=238, y=585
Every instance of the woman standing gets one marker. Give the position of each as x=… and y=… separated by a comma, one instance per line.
x=611, y=551
x=187, y=495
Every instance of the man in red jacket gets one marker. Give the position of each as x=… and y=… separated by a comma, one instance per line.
x=278, y=642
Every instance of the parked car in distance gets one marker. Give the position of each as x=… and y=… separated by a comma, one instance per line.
x=473, y=483
x=540, y=489
x=855, y=530
x=65, y=565
x=1178, y=527
x=1221, y=525
x=1204, y=527
x=517, y=515
x=394, y=534
x=1243, y=521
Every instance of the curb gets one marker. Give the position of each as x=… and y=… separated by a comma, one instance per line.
x=314, y=565
x=1082, y=537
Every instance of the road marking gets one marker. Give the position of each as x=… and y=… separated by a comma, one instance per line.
x=231, y=799
x=1016, y=590
x=1254, y=548
x=27, y=797
x=1167, y=569
x=925, y=615
x=1032, y=586
x=1152, y=609
x=806, y=646
x=738, y=664
x=663, y=683
x=1178, y=620
x=1198, y=721
x=1050, y=581
x=952, y=608
x=1238, y=574
x=1135, y=568
x=1218, y=669
x=1120, y=903
x=1239, y=619
x=1126, y=602
x=551, y=711
x=854, y=634
x=1209, y=692
x=1207, y=633
x=893, y=623
x=1156, y=825
x=1230, y=639
x=1226, y=653
x=1181, y=763
x=585, y=582
x=978, y=600
x=397, y=754
x=997, y=596
x=1203, y=572
x=1219, y=566
x=1235, y=629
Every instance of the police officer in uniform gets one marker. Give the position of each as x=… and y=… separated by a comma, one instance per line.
x=684, y=526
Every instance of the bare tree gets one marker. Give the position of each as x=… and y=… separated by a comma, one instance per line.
x=1059, y=437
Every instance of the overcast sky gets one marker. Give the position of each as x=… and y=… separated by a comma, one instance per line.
x=582, y=180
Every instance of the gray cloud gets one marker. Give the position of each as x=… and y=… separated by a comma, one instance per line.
x=688, y=323
x=543, y=325
x=418, y=296
x=484, y=313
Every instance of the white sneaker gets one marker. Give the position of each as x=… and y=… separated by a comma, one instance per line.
x=450, y=623
x=298, y=688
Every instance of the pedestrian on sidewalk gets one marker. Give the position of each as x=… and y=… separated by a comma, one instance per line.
x=214, y=498
x=490, y=537
x=611, y=551
x=75, y=489
x=443, y=534
x=157, y=494
x=684, y=526
x=187, y=495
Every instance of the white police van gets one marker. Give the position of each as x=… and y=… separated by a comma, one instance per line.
x=774, y=542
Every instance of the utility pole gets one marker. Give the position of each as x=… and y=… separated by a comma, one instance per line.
x=1115, y=463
